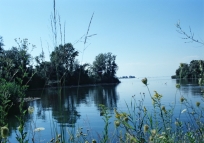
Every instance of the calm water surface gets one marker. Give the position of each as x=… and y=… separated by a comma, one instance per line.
x=68, y=112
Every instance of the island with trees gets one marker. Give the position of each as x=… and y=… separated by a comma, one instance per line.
x=192, y=70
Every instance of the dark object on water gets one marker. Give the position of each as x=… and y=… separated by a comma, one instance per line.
x=174, y=77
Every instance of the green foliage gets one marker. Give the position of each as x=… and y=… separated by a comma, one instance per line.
x=106, y=117
x=193, y=70
x=104, y=68
x=15, y=75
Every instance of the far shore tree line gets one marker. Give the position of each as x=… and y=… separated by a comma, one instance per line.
x=193, y=70
x=63, y=69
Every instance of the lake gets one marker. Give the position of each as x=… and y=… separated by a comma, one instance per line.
x=66, y=113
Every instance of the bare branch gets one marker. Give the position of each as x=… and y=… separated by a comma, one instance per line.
x=187, y=36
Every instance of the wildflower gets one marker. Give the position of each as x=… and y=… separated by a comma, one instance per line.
x=30, y=109
x=182, y=99
x=153, y=132
x=197, y=104
x=184, y=110
x=144, y=81
x=117, y=115
x=178, y=86
x=93, y=141
x=117, y=123
x=4, y=132
x=124, y=114
x=146, y=128
x=157, y=95
x=39, y=129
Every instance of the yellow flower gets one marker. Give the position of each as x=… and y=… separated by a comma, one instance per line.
x=157, y=95
x=4, y=132
x=124, y=114
x=117, y=123
x=144, y=81
x=117, y=115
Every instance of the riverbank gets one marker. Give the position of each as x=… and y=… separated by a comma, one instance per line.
x=73, y=86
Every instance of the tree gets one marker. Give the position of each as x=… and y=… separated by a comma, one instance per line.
x=105, y=67
x=62, y=58
x=64, y=55
x=193, y=70
x=1, y=45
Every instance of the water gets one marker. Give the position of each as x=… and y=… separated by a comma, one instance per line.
x=68, y=112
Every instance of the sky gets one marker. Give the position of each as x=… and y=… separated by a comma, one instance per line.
x=141, y=33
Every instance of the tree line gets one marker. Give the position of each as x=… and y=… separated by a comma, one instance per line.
x=192, y=70
x=63, y=68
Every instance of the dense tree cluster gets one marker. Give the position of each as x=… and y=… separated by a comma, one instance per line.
x=104, y=67
x=192, y=70
x=63, y=68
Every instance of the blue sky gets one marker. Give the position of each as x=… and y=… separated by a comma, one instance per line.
x=142, y=33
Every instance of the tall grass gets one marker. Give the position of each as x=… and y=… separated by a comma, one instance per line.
x=138, y=124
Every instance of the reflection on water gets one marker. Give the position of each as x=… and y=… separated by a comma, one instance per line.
x=65, y=109
x=63, y=104
x=190, y=85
